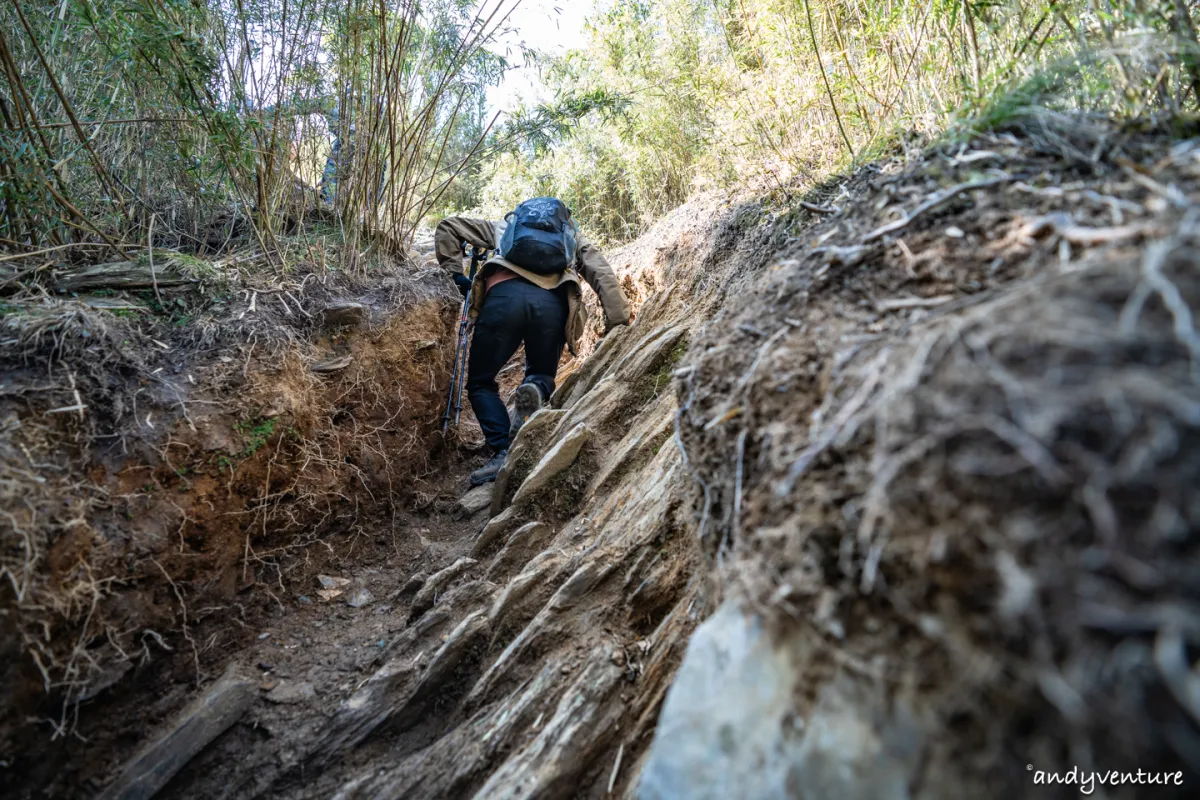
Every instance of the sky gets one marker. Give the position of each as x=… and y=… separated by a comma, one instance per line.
x=553, y=26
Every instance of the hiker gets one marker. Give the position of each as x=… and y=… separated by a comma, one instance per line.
x=527, y=293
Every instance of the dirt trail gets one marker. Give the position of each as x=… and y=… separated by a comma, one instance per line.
x=522, y=651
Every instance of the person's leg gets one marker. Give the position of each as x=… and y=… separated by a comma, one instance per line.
x=497, y=336
x=545, y=335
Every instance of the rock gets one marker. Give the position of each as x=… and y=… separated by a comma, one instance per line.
x=346, y=313
x=719, y=734
x=335, y=364
x=635, y=445
x=530, y=443
x=497, y=526
x=536, y=573
x=361, y=598
x=291, y=693
x=649, y=353
x=598, y=408
x=437, y=582
x=582, y=723
x=413, y=584
x=728, y=727
x=473, y=501
x=330, y=582
x=561, y=456
x=521, y=542
x=199, y=724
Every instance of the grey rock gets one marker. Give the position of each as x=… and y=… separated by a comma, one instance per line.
x=436, y=583
x=346, y=313
x=556, y=461
x=473, y=501
x=360, y=598
x=729, y=726
x=291, y=693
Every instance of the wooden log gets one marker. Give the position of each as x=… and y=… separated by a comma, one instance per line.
x=120, y=275
x=196, y=727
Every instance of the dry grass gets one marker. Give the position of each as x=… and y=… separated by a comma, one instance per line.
x=957, y=456
x=156, y=458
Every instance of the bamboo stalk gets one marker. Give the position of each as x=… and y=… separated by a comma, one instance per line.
x=825, y=77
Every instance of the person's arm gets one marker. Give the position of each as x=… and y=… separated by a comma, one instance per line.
x=448, y=238
x=599, y=274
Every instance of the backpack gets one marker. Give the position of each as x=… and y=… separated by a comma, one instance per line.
x=540, y=236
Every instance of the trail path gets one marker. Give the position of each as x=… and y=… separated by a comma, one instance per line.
x=518, y=651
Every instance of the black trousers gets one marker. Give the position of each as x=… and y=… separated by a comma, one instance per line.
x=515, y=312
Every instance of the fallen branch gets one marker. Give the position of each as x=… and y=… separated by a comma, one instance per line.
x=119, y=275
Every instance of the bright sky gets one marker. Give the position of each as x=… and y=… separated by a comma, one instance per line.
x=553, y=26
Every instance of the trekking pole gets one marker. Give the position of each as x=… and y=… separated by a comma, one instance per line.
x=459, y=375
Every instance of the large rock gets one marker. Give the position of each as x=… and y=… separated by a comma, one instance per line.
x=729, y=727
x=554, y=463
x=532, y=440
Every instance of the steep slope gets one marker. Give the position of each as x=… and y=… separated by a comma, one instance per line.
x=947, y=462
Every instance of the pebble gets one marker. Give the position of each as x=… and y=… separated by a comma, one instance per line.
x=361, y=598
x=289, y=693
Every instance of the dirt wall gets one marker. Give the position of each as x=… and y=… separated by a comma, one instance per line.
x=158, y=471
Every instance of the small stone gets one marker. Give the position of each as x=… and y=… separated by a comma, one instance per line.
x=361, y=598
x=335, y=364
x=618, y=657
x=330, y=594
x=330, y=582
x=291, y=693
x=304, y=600
x=955, y=232
x=345, y=313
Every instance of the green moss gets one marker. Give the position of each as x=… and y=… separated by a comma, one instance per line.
x=256, y=433
x=650, y=384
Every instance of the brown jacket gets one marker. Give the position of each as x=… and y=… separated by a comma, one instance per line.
x=589, y=262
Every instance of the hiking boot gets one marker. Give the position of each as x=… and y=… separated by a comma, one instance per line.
x=488, y=472
x=527, y=400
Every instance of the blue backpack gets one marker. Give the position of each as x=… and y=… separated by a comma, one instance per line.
x=540, y=236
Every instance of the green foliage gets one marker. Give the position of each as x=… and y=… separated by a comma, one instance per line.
x=118, y=117
x=725, y=93
x=256, y=432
